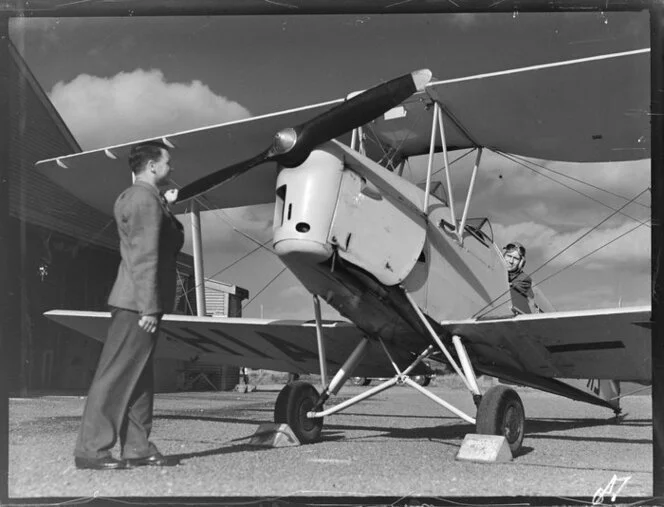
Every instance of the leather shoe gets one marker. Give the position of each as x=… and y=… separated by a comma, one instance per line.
x=156, y=460
x=106, y=463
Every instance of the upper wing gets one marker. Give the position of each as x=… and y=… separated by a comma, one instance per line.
x=587, y=110
x=97, y=177
x=605, y=344
x=281, y=345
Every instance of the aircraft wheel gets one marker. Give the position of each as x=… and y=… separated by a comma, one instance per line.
x=423, y=380
x=501, y=413
x=360, y=381
x=291, y=407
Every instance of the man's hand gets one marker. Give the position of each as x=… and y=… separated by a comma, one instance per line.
x=171, y=195
x=148, y=323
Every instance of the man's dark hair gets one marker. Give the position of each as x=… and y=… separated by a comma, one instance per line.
x=144, y=152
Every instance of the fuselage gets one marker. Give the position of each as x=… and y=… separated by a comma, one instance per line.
x=359, y=245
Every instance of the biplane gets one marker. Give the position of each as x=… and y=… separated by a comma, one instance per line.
x=417, y=276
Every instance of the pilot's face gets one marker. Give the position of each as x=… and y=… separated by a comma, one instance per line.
x=513, y=258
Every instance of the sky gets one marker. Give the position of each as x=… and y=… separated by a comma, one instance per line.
x=114, y=80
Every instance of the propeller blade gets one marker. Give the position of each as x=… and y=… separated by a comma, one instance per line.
x=209, y=181
x=353, y=113
x=292, y=146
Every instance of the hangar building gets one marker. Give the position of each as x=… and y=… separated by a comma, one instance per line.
x=67, y=253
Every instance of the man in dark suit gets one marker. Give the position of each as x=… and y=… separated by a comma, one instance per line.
x=120, y=400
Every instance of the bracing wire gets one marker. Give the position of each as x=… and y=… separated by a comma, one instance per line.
x=594, y=228
x=433, y=173
x=488, y=305
x=512, y=159
x=542, y=166
x=217, y=273
x=184, y=293
x=263, y=289
x=386, y=155
x=203, y=203
x=588, y=254
x=227, y=221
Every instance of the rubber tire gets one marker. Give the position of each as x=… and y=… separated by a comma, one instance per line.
x=501, y=413
x=360, y=381
x=291, y=407
x=423, y=380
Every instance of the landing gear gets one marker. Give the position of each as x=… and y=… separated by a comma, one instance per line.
x=500, y=412
x=291, y=407
x=360, y=381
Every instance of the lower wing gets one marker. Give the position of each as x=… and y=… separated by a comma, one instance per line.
x=599, y=344
x=281, y=345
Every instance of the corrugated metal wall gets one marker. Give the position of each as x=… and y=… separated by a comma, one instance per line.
x=216, y=300
x=36, y=136
x=76, y=244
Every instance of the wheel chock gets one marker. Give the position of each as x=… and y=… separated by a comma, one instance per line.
x=484, y=449
x=274, y=435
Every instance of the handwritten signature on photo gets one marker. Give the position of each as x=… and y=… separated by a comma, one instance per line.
x=601, y=493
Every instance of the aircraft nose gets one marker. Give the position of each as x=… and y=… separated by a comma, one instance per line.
x=306, y=198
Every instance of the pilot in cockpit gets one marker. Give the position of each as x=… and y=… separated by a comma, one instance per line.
x=515, y=257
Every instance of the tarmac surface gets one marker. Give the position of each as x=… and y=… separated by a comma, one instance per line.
x=397, y=444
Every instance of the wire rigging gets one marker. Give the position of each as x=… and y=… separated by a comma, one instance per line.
x=442, y=168
x=542, y=166
x=263, y=289
x=479, y=313
x=588, y=254
x=217, y=273
x=389, y=158
x=218, y=213
x=594, y=228
x=512, y=159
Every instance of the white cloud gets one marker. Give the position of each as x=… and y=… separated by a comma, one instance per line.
x=629, y=253
x=136, y=105
x=511, y=193
x=233, y=231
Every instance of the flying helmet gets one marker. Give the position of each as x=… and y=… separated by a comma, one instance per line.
x=514, y=245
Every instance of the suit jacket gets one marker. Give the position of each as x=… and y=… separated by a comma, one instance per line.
x=150, y=239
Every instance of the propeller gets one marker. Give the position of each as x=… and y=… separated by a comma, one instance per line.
x=291, y=146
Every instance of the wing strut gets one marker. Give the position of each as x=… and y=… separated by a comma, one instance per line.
x=321, y=342
x=472, y=388
x=462, y=225
x=467, y=367
x=437, y=124
x=401, y=377
x=196, y=240
x=438, y=120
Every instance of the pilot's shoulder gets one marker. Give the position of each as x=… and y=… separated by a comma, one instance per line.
x=523, y=280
